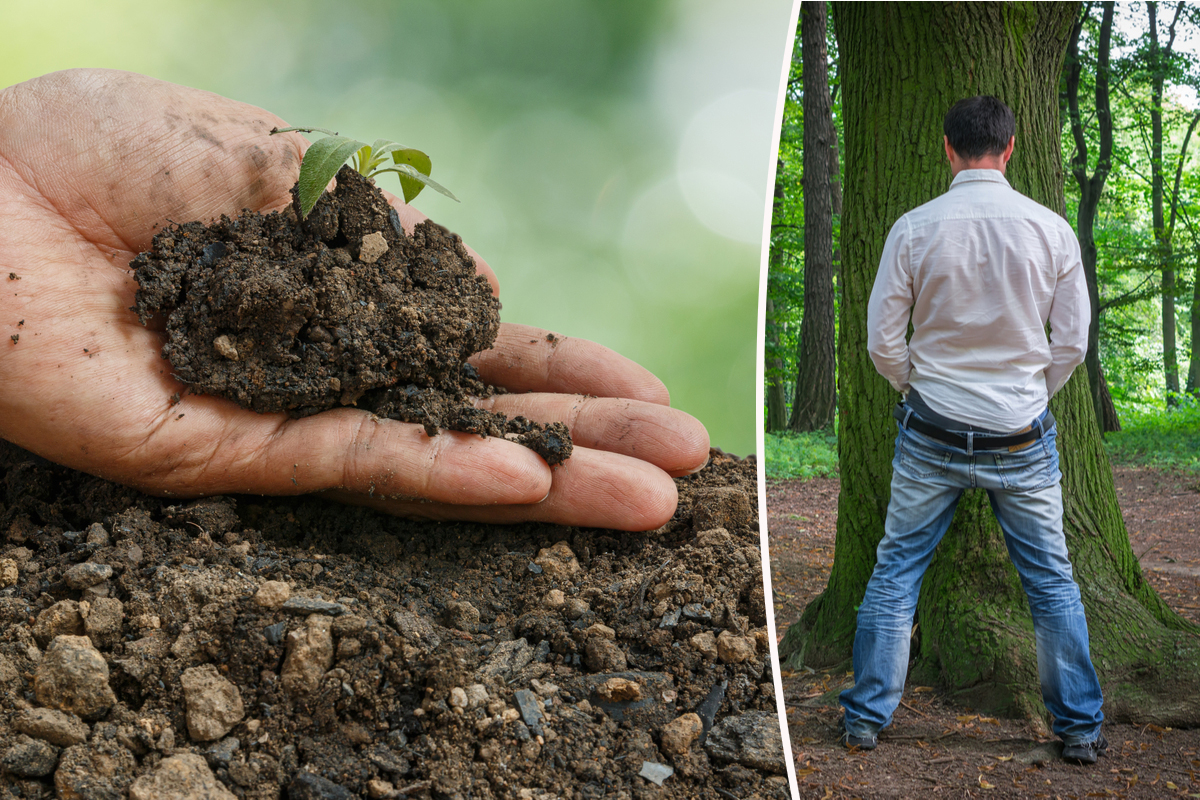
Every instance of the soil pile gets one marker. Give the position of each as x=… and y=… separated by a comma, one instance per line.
x=292, y=647
x=340, y=309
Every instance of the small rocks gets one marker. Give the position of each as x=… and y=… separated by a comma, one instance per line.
x=603, y=655
x=678, y=735
x=304, y=606
x=530, y=713
x=104, y=620
x=655, y=773
x=309, y=656
x=51, y=725
x=97, y=535
x=461, y=615
x=224, y=345
x=458, y=697
x=705, y=644
x=307, y=786
x=554, y=600
x=734, y=649
x=214, y=705
x=72, y=676
x=9, y=574
x=558, y=562
x=373, y=247
x=81, y=576
x=98, y=770
x=751, y=738
x=184, y=776
x=61, y=619
x=619, y=690
x=272, y=594
x=575, y=608
x=30, y=758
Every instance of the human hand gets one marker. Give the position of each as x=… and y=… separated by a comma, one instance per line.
x=92, y=164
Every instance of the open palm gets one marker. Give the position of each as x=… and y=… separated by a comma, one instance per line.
x=92, y=164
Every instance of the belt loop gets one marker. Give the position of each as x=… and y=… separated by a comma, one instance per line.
x=1041, y=429
x=970, y=443
x=907, y=413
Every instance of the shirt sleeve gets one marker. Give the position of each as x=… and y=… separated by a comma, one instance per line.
x=1070, y=316
x=889, y=308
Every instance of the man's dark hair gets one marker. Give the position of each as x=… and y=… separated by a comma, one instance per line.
x=979, y=126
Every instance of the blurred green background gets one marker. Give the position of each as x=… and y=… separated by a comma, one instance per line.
x=611, y=155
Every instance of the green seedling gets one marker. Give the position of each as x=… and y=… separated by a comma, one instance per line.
x=326, y=156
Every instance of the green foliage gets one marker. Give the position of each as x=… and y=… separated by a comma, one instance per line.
x=326, y=156
x=801, y=455
x=1155, y=437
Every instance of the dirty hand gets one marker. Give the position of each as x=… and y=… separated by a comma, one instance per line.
x=92, y=164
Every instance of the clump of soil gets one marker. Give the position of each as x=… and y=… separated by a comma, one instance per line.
x=294, y=647
x=339, y=309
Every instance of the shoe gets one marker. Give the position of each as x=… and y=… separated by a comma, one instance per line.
x=1087, y=752
x=857, y=742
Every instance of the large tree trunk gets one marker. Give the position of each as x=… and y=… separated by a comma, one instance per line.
x=776, y=399
x=1090, y=189
x=1193, y=378
x=903, y=65
x=815, y=396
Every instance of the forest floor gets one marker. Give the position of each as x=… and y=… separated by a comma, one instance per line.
x=935, y=748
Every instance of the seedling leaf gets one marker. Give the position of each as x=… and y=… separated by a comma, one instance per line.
x=321, y=162
x=408, y=173
x=421, y=163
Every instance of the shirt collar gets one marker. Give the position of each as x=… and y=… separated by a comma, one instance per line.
x=986, y=175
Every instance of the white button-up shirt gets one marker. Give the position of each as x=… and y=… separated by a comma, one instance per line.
x=982, y=270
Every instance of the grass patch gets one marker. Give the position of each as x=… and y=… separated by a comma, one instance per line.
x=1157, y=437
x=801, y=455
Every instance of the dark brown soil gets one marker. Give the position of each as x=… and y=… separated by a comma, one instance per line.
x=938, y=749
x=458, y=660
x=279, y=315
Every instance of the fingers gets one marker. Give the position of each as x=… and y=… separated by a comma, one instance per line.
x=591, y=489
x=669, y=439
x=526, y=359
x=353, y=451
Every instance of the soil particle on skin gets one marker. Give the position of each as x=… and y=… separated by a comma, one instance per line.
x=342, y=309
x=294, y=647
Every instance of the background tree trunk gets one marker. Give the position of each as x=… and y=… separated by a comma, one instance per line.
x=903, y=65
x=814, y=398
x=1090, y=189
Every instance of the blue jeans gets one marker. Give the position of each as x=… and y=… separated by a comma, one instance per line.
x=928, y=477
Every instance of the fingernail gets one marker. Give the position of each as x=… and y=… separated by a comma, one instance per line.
x=702, y=466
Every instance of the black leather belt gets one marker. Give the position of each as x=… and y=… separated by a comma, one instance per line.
x=977, y=441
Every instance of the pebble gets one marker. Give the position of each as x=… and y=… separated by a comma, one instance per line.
x=104, y=621
x=377, y=789
x=272, y=594
x=9, y=574
x=678, y=735
x=558, y=561
x=184, y=776
x=99, y=769
x=619, y=690
x=30, y=758
x=554, y=600
x=458, y=697
x=734, y=649
x=89, y=573
x=304, y=606
x=72, y=676
x=477, y=695
x=461, y=615
x=97, y=535
x=214, y=705
x=655, y=772
x=61, y=619
x=603, y=655
x=705, y=644
x=51, y=725
x=716, y=537
x=530, y=713
x=575, y=608
x=221, y=753
x=751, y=738
x=601, y=630
x=373, y=247
x=307, y=786
x=309, y=656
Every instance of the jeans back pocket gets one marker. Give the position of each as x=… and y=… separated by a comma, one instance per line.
x=919, y=459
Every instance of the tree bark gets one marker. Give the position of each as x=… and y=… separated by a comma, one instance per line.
x=903, y=65
x=814, y=399
x=1090, y=189
x=1193, y=378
